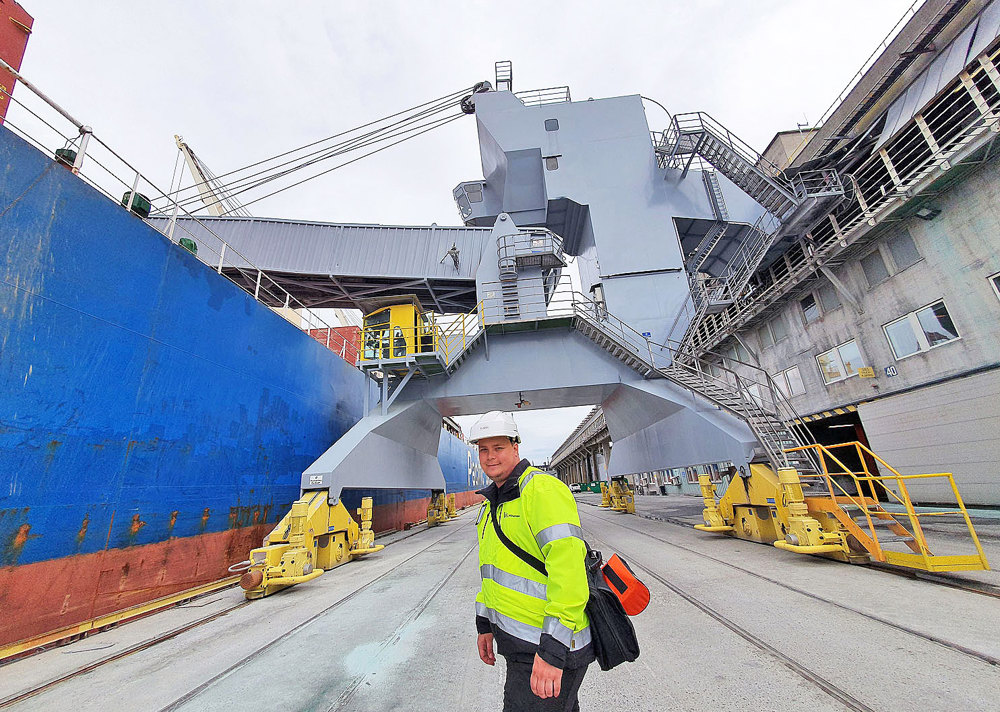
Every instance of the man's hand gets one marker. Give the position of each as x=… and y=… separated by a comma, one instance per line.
x=546, y=680
x=485, y=643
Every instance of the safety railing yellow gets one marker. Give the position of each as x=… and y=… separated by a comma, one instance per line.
x=456, y=337
x=446, y=340
x=871, y=489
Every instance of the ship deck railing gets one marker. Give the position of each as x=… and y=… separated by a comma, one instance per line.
x=50, y=128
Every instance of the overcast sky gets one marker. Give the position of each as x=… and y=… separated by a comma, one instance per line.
x=244, y=81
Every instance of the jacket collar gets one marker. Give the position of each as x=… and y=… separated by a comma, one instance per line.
x=509, y=490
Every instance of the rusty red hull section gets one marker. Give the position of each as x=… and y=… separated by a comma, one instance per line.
x=48, y=595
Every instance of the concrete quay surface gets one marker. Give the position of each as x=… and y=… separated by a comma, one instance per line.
x=732, y=625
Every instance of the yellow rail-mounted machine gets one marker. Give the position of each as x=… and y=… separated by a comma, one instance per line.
x=399, y=339
x=853, y=515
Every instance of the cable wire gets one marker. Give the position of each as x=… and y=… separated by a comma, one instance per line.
x=353, y=160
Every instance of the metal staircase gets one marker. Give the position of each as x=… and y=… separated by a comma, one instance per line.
x=717, y=229
x=787, y=201
x=877, y=515
x=698, y=134
x=752, y=396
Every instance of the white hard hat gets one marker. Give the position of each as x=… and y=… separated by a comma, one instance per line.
x=494, y=423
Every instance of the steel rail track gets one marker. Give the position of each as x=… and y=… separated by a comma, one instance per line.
x=194, y=692
x=941, y=579
x=831, y=689
x=173, y=633
x=394, y=637
x=951, y=645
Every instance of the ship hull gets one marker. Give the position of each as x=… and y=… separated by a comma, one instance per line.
x=154, y=418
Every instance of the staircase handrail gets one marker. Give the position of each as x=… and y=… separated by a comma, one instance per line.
x=694, y=122
x=903, y=497
x=754, y=411
x=460, y=334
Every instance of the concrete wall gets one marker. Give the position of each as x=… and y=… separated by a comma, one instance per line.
x=958, y=251
x=958, y=255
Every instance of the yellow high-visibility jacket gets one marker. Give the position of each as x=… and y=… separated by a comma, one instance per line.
x=526, y=611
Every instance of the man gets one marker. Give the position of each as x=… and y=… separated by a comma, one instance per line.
x=536, y=619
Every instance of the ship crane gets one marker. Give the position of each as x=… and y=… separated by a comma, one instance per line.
x=573, y=179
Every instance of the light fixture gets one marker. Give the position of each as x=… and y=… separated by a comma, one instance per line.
x=521, y=403
x=927, y=213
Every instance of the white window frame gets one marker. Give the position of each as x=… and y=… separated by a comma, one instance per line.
x=788, y=384
x=918, y=331
x=840, y=360
x=995, y=283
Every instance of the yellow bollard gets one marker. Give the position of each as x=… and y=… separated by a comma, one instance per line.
x=452, y=509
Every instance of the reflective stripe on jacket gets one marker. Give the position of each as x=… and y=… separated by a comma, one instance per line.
x=544, y=613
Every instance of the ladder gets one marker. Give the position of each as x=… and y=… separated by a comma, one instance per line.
x=756, y=401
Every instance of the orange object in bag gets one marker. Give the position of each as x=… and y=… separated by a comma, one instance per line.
x=623, y=582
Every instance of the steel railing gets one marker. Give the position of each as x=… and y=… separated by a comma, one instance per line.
x=754, y=398
x=961, y=118
x=444, y=339
x=49, y=127
x=879, y=489
x=539, y=97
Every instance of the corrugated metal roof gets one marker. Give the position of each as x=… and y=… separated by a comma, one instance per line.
x=336, y=265
x=317, y=248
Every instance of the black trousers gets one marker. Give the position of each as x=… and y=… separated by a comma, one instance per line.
x=518, y=697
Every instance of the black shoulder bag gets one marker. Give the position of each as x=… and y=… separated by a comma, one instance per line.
x=611, y=631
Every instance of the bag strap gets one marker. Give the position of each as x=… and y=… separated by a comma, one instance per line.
x=532, y=561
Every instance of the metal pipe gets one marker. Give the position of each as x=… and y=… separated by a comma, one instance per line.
x=41, y=95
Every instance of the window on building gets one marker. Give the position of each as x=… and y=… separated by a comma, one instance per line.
x=874, y=268
x=692, y=474
x=741, y=352
x=936, y=323
x=551, y=163
x=840, y=362
x=551, y=124
x=828, y=298
x=790, y=383
x=778, y=328
x=904, y=252
x=764, y=335
x=810, y=308
x=995, y=281
x=920, y=330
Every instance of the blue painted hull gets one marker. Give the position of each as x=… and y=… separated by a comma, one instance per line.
x=147, y=399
